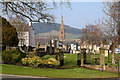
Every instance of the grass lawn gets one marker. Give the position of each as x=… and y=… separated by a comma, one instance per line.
x=70, y=60
x=56, y=73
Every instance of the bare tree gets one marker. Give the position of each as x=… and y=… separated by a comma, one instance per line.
x=34, y=11
x=92, y=34
x=111, y=25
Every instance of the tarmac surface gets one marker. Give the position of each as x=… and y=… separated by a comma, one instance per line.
x=21, y=77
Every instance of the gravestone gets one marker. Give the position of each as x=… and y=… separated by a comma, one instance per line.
x=78, y=59
x=82, y=59
x=83, y=51
x=61, y=58
x=102, y=58
x=57, y=52
x=106, y=52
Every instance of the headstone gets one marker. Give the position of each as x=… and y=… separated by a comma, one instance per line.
x=57, y=52
x=102, y=58
x=82, y=59
x=83, y=51
x=78, y=59
x=106, y=52
x=61, y=59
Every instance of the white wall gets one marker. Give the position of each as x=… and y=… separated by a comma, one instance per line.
x=32, y=37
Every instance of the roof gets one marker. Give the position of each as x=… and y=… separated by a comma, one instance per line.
x=22, y=27
x=43, y=41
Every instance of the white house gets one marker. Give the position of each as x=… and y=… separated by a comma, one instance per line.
x=26, y=35
x=74, y=48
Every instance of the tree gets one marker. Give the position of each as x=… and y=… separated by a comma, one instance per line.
x=9, y=34
x=111, y=25
x=34, y=11
x=105, y=41
x=92, y=34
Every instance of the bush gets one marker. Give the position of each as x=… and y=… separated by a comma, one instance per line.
x=36, y=62
x=12, y=56
x=52, y=62
x=48, y=56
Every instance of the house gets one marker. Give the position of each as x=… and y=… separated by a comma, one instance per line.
x=75, y=48
x=26, y=35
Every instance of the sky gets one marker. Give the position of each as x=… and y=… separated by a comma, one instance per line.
x=81, y=14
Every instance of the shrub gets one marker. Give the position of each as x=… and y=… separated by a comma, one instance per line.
x=12, y=56
x=6, y=58
x=48, y=56
x=36, y=61
x=52, y=62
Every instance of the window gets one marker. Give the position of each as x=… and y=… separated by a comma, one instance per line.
x=61, y=32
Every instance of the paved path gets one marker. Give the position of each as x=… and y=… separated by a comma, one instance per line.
x=21, y=77
x=18, y=76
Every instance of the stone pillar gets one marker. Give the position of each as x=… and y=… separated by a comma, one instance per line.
x=102, y=58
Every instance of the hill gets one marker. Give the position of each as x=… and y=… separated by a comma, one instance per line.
x=44, y=29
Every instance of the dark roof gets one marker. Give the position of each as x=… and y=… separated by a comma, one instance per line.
x=43, y=41
x=22, y=27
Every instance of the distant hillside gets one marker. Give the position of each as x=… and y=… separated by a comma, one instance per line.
x=45, y=28
x=56, y=33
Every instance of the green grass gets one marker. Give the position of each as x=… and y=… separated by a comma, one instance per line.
x=70, y=60
x=91, y=61
x=56, y=73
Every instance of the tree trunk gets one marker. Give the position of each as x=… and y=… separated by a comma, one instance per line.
x=113, y=57
x=92, y=48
